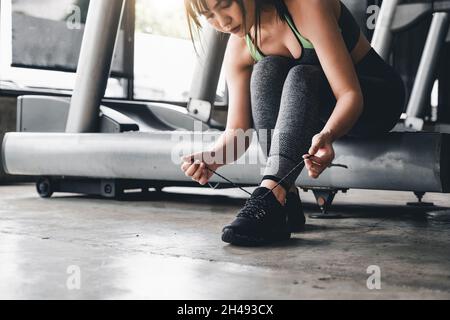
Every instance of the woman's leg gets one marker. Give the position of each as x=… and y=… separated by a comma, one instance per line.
x=266, y=88
x=267, y=83
x=296, y=124
x=384, y=97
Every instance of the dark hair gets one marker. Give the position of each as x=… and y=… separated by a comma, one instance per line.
x=194, y=7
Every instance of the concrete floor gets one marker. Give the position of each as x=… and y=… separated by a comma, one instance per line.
x=169, y=247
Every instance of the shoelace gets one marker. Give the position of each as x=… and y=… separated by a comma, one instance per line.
x=254, y=206
x=268, y=192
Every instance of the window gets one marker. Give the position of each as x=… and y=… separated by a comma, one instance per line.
x=40, y=43
x=164, y=55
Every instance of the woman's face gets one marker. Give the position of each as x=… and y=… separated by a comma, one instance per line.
x=226, y=16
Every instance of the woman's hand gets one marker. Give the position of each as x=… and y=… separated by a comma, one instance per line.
x=194, y=166
x=321, y=154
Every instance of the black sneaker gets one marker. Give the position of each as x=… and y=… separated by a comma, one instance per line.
x=295, y=215
x=261, y=221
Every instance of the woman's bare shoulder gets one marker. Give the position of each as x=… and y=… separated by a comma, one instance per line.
x=237, y=53
x=303, y=7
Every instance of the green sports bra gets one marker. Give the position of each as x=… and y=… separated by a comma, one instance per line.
x=348, y=26
x=306, y=45
x=258, y=55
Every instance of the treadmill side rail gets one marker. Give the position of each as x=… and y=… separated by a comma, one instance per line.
x=395, y=161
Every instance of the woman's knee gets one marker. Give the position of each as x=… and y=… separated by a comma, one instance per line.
x=273, y=68
x=267, y=80
x=305, y=76
x=274, y=62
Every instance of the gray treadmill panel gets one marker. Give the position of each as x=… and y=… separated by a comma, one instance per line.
x=397, y=161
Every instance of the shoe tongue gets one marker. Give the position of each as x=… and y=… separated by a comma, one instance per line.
x=262, y=191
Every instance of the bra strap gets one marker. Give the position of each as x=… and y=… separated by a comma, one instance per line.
x=255, y=53
x=305, y=43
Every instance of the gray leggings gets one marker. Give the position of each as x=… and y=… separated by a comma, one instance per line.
x=295, y=101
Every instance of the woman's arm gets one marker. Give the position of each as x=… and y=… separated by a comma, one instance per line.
x=238, y=69
x=318, y=23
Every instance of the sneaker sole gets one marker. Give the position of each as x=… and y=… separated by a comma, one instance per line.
x=295, y=220
x=295, y=229
x=229, y=236
x=296, y=226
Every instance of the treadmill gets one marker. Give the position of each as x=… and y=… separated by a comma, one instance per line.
x=108, y=147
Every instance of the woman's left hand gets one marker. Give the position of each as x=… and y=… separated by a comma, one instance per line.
x=321, y=154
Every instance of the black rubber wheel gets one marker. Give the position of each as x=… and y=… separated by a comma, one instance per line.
x=44, y=188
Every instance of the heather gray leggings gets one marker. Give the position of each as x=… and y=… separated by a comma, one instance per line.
x=293, y=101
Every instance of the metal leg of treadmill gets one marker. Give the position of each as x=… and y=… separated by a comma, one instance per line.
x=382, y=38
x=206, y=76
x=324, y=198
x=419, y=202
x=420, y=94
x=94, y=64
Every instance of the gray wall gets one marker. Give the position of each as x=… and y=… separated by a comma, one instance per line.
x=7, y=124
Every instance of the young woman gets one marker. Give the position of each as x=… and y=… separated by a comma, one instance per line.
x=303, y=68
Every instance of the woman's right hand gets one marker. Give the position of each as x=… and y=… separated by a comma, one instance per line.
x=195, y=167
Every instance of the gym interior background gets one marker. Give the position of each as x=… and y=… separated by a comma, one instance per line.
x=92, y=207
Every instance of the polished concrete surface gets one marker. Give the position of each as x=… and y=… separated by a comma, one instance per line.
x=168, y=247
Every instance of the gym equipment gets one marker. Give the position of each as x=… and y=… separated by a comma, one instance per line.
x=112, y=146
